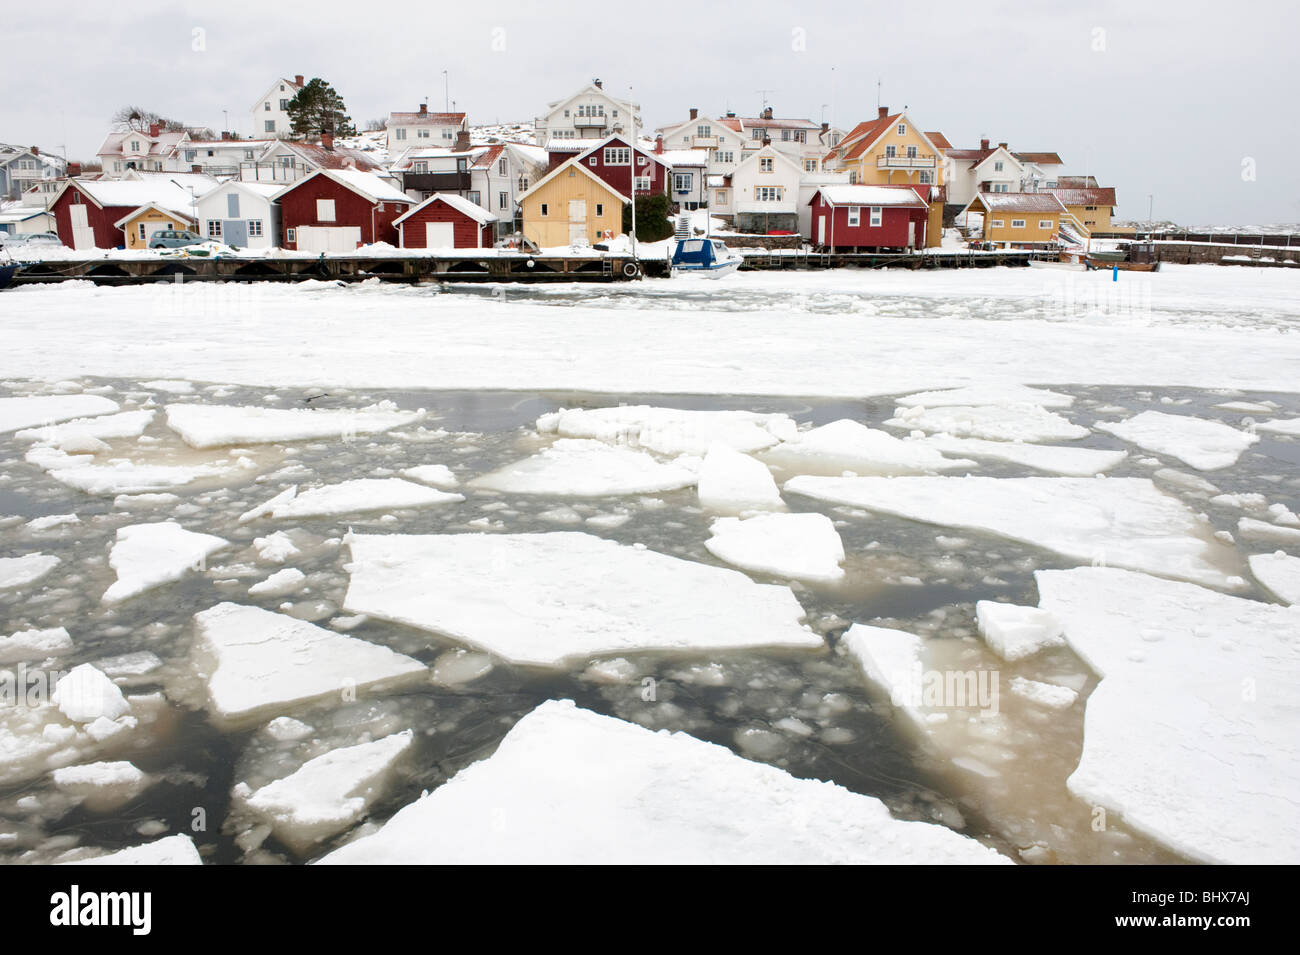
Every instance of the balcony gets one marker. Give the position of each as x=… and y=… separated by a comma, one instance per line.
x=436, y=181
x=905, y=162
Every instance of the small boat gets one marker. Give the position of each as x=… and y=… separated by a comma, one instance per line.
x=1122, y=264
x=705, y=257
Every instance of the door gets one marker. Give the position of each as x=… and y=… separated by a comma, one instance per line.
x=821, y=230
x=439, y=235
x=329, y=238
x=911, y=235
x=577, y=221
x=235, y=232
x=83, y=236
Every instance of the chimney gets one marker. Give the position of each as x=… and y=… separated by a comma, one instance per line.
x=36, y=150
x=882, y=112
x=196, y=168
x=731, y=114
x=327, y=140
x=153, y=129
x=984, y=144
x=225, y=135
x=826, y=127
x=767, y=113
x=297, y=80
x=1002, y=145
x=767, y=140
x=424, y=109
x=694, y=113
x=659, y=142
x=462, y=140
x=598, y=84
x=74, y=169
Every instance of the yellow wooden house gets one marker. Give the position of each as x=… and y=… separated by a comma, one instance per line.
x=1092, y=205
x=571, y=206
x=1018, y=220
x=139, y=225
x=892, y=150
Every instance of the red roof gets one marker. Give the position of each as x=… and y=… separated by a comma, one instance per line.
x=1051, y=159
x=864, y=134
x=489, y=156
x=1102, y=196
x=340, y=157
x=940, y=140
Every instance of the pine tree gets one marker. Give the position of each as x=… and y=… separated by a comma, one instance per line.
x=317, y=109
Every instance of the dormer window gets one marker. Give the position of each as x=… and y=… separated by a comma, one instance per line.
x=135, y=145
x=902, y=129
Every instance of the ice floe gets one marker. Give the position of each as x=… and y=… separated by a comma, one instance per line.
x=989, y=393
x=353, y=497
x=991, y=422
x=1067, y=462
x=800, y=546
x=570, y=786
x=41, y=410
x=845, y=445
x=1014, y=632
x=436, y=475
x=670, y=431
x=1289, y=426
x=149, y=555
x=121, y=476
x=732, y=482
x=211, y=426
x=21, y=571
x=547, y=599
x=1263, y=530
x=1280, y=575
x=102, y=786
x=1202, y=444
x=28, y=645
x=1044, y=694
x=279, y=584
x=173, y=850
x=126, y=424
x=326, y=794
x=586, y=468
x=1192, y=735
x=1118, y=522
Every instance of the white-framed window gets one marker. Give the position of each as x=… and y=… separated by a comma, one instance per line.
x=117, y=166
x=617, y=156
x=268, y=126
x=324, y=210
x=766, y=164
x=1046, y=224
x=997, y=165
x=768, y=193
x=190, y=154
x=135, y=146
x=877, y=216
x=926, y=177
x=545, y=210
x=855, y=215
x=853, y=177
x=724, y=157
x=420, y=166
x=290, y=235
x=996, y=224
x=503, y=200
x=142, y=235
x=1017, y=223
x=399, y=133
x=911, y=152
x=284, y=104
x=891, y=152
x=756, y=133
x=592, y=161
x=267, y=106
x=382, y=207
x=721, y=197
x=448, y=134
x=642, y=161
x=642, y=184
x=682, y=181
x=785, y=135
x=255, y=228
x=421, y=134
x=902, y=129
x=501, y=167
x=474, y=196
x=810, y=165
x=214, y=228
x=600, y=209
x=248, y=154
x=704, y=131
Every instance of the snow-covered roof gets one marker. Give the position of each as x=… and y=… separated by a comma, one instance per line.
x=461, y=205
x=426, y=119
x=133, y=193
x=1101, y=196
x=17, y=212
x=364, y=184
x=157, y=207
x=865, y=195
x=266, y=190
x=1018, y=202
x=685, y=157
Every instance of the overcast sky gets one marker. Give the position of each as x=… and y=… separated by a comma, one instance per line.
x=1190, y=101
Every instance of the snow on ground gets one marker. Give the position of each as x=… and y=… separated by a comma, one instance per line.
x=1119, y=522
x=42, y=410
x=21, y=571
x=670, y=431
x=889, y=332
x=149, y=555
x=567, y=785
x=991, y=393
x=1280, y=575
x=991, y=422
x=256, y=663
x=1014, y=632
x=355, y=496
x=586, y=468
x=327, y=794
x=173, y=850
x=732, y=483
x=1204, y=445
x=548, y=599
x=1067, y=462
x=846, y=445
x=27, y=645
x=1192, y=735
x=800, y=546
x=212, y=426
x=120, y=475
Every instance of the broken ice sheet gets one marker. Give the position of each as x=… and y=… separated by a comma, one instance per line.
x=799, y=546
x=670, y=431
x=211, y=426
x=149, y=555
x=846, y=445
x=1205, y=445
x=586, y=468
x=990, y=422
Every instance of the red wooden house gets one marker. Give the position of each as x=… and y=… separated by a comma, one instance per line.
x=446, y=221
x=860, y=217
x=613, y=160
x=337, y=210
x=86, y=211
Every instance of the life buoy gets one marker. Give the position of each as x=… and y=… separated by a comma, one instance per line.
x=631, y=269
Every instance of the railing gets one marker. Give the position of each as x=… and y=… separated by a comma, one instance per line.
x=905, y=162
x=436, y=181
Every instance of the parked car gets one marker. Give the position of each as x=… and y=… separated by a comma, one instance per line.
x=29, y=240
x=174, y=239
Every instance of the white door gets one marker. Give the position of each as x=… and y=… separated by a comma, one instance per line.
x=911, y=235
x=577, y=221
x=439, y=235
x=821, y=230
x=83, y=236
x=329, y=238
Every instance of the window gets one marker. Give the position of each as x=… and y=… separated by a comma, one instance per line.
x=142, y=235
x=421, y=134
x=855, y=215
x=420, y=166
x=911, y=152
x=902, y=129
x=891, y=152
x=1017, y=223
x=267, y=106
x=591, y=161
x=269, y=126
x=399, y=134
x=765, y=164
x=724, y=157
x=190, y=154
x=214, y=228
x=926, y=177
x=785, y=135
x=997, y=165
x=284, y=104
x=756, y=133
x=503, y=200
x=255, y=228
x=617, y=156
x=682, y=181
x=642, y=161
x=462, y=165
x=446, y=134
x=324, y=210
x=474, y=197
x=501, y=167
x=853, y=177
x=703, y=131
x=135, y=145
x=544, y=210
x=381, y=207
x=248, y=154
x=600, y=209
x=876, y=215
x=642, y=184
x=721, y=197
x=1001, y=187
x=1046, y=224
x=768, y=193
x=996, y=224
x=810, y=165
x=290, y=235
